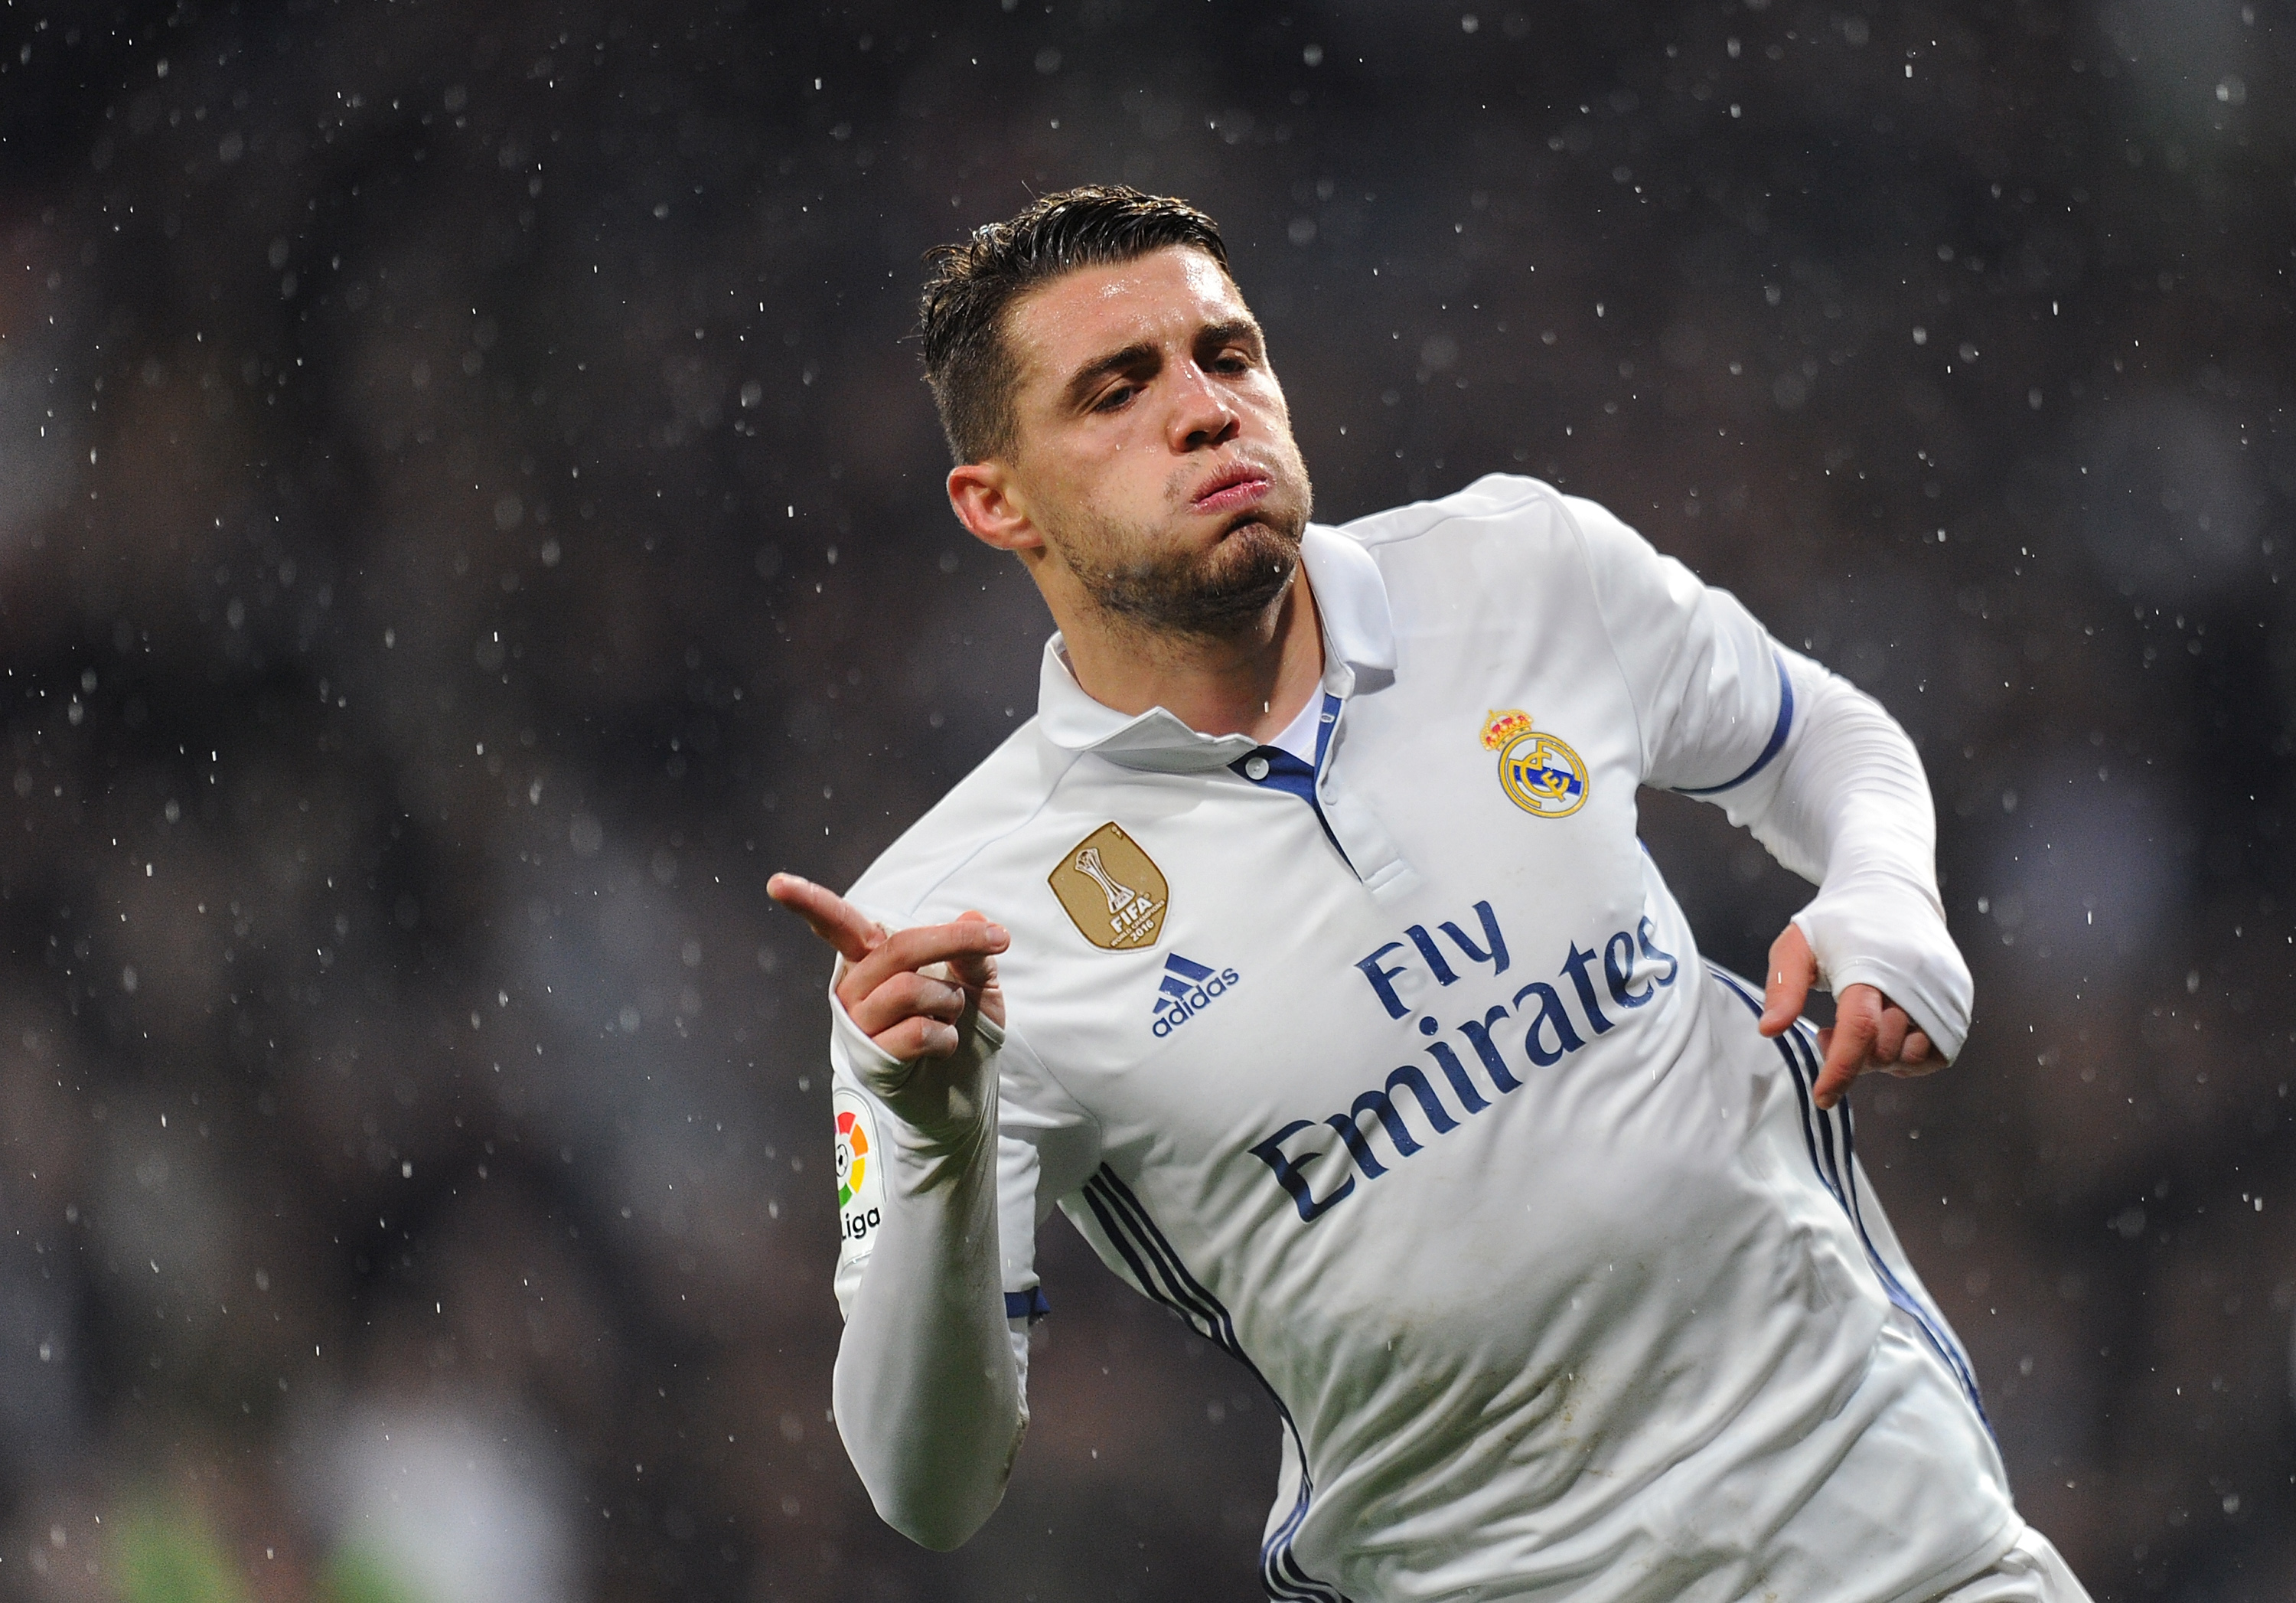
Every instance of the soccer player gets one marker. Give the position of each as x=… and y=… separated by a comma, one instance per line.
x=1302, y=950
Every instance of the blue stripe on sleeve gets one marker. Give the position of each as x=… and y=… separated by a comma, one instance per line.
x=1777, y=738
x=1029, y=1304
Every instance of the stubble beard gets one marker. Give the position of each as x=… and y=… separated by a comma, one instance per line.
x=1220, y=594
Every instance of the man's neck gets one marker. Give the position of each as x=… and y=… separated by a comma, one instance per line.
x=1254, y=683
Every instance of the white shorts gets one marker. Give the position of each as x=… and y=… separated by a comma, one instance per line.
x=2030, y=1572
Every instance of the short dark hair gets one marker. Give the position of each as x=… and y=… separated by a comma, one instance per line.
x=967, y=364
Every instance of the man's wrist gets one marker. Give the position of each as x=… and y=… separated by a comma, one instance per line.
x=1892, y=935
x=939, y=1107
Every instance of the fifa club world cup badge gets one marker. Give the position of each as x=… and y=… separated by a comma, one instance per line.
x=1539, y=773
x=1117, y=897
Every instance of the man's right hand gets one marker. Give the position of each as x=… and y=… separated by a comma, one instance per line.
x=911, y=992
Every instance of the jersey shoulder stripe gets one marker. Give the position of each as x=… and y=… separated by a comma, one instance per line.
x=1157, y=1270
x=1830, y=1138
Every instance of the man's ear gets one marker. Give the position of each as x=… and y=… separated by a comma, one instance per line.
x=988, y=504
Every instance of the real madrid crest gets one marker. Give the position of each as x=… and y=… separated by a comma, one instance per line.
x=1116, y=895
x=1540, y=774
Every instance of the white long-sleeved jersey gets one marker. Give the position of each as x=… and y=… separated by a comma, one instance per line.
x=1398, y=1076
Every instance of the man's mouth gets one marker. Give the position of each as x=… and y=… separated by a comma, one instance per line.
x=1232, y=489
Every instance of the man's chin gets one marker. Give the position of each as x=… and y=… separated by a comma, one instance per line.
x=1226, y=592
x=1247, y=574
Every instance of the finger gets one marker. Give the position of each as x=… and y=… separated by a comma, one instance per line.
x=907, y=996
x=1911, y=1067
x=916, y=1038
x=975, y=971
x=1888, y=1036
x=1792, y=971
x=1856, y=1019
x=844, y=926
x=1916, y=1049
x=925, y=945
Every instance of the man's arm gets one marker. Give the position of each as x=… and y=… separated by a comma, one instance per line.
x=1842, y=802
x=1848, y=807
x=928, y=1388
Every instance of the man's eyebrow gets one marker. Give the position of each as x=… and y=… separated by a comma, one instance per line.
x=1143, y=353
x=1234, y=330
x=1088, y=378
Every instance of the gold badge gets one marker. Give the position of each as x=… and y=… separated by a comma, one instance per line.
x=1539, y=773
x=1116, y=895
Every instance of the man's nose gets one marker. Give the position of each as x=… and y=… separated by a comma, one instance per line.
x=1202, y=414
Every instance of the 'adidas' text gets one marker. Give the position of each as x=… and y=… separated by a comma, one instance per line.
x=1187, y=990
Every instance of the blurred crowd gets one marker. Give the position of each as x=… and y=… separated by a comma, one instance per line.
x=468, y=512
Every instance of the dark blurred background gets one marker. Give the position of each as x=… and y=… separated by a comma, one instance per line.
x=468, y=511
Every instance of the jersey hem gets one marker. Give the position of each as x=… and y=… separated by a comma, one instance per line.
x=1946, y=1578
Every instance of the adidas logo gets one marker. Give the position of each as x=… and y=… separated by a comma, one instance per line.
x=1187, y=990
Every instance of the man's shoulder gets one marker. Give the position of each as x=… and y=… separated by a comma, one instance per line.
x=1504, y=530
x=1494, y=497
x=998, y=799
x=1527, y=519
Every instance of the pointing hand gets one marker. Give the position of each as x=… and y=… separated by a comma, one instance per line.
x=1869, y=1031
x=915, y=993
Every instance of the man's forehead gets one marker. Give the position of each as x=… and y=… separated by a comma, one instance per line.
x=1088, y=311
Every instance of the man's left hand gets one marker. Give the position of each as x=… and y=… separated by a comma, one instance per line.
x=1869, y=1031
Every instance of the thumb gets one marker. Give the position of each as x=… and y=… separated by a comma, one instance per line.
x=1793, y=969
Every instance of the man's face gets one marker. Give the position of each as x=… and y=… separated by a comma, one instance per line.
x=1155, y=451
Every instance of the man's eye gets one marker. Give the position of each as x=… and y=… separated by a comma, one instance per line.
x=1114, y=399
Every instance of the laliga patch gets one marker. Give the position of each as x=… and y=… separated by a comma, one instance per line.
x=1539, y=773
x=1117, y=897
x=860, y=1176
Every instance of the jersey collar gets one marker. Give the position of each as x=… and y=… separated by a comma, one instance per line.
x=1358, y=654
